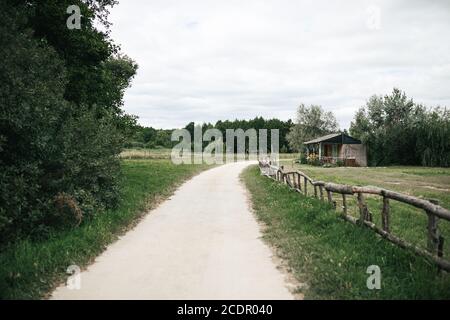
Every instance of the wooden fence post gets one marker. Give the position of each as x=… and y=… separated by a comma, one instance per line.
x=344, y=204
x=330, y=197
x=441, y=247
x=364, y=213
x=321, y=192
x=306, y=186
x=360, y=206
x=385, y=214
x=299, y=181
x=433, y=231
x=315, y=191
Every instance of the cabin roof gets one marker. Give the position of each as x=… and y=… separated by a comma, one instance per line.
x=335, y=138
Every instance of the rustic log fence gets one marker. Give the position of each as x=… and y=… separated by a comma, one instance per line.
x=299, y=182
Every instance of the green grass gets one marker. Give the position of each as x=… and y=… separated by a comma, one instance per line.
x=161, y=153
x=29, y=270
x=407, y=221
x=331, y=255
x=417, y=181
x=164, y=153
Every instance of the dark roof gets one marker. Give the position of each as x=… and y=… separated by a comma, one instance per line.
x=335, y=138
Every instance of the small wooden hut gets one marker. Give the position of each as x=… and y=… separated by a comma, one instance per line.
x=338, y=147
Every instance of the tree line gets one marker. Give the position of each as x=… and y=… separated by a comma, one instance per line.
x=148, y=137
x=61, y=122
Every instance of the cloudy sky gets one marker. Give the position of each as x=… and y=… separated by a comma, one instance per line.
x=208, y=60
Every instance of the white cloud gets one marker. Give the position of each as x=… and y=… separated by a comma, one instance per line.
x=208, y=60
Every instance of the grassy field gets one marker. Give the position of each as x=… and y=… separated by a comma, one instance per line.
x=406, y=221
x=331, y=255
x=165, y=154
x=418, y=181
x=28, y=270
x=146, y=154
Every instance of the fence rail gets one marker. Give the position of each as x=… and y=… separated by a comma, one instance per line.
x=299, y=181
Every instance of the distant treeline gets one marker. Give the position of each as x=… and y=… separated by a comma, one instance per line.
x=148, y=137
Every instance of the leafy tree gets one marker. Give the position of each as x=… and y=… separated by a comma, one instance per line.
x=433, y=138
x=312, y=122
x=398, y=131
x=61, y=126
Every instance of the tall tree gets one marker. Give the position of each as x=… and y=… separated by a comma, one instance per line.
x=398, y=131
x=311, y=123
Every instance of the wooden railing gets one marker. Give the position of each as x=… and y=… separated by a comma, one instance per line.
x=299, y=181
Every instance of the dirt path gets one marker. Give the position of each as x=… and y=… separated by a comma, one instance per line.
x=202, y=243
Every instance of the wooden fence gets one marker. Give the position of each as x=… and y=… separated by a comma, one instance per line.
x=299, y=181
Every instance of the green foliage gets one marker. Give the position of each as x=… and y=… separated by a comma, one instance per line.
x=148, y=137
x=61, y=126
x=312, y=122
x=398, y=131
x=313, y=159
x=259, y=123
x=303, y=159
x=339, y=163
x=433, y=138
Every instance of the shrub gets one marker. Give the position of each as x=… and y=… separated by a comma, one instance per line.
x=303, y=159
x=313, y=159
x=68, y=213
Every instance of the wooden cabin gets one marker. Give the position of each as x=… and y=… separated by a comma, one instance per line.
x=336, y=147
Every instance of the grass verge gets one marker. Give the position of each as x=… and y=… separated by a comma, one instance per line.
x=29, y=270
x=406, y=222
x=332, y=255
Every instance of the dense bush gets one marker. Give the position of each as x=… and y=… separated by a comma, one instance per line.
x=60, y=133
x=433, y=138
x=398, y=131
x=303, y=158
x=313, y=159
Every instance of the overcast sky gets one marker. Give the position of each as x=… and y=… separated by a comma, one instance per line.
x=208, y=60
